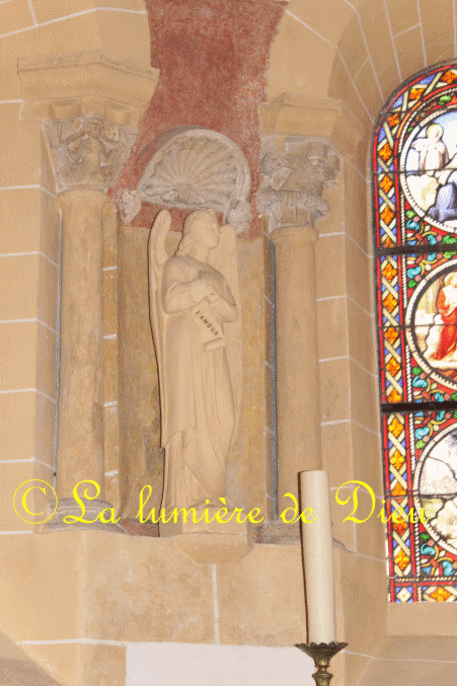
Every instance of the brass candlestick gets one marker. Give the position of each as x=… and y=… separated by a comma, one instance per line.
x=321, y=653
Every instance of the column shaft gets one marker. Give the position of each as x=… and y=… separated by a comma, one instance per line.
x=80, y=432
x=299, y=444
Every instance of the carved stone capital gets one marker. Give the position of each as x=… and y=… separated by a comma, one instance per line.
x=90, y=104
x=293, y=178
x=88, y=152
x=196, y=169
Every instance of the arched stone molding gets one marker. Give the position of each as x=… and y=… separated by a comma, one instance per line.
x=195, y=169
x=358, y=52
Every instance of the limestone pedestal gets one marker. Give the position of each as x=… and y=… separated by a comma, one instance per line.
x=92, y=511
x=209, y=541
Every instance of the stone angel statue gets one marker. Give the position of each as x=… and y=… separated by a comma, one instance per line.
x=196, y=330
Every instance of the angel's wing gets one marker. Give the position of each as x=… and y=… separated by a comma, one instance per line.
x=160, y=227
x=420, y=143
x=157, y=259
x=224, y=259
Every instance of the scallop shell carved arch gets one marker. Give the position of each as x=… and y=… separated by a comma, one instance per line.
x=196, y=169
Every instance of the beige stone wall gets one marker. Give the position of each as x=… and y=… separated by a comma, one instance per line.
x=29, y=257
x=93, y=592
x=357, y=53
x=29, y=274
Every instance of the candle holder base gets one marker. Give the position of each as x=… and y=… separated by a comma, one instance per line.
x=321, y=653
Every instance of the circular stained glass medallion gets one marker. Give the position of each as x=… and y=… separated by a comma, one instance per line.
x=431, y=324
x=428, y=169
x=435, y=488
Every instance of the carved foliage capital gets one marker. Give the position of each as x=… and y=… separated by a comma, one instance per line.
x=293, y=179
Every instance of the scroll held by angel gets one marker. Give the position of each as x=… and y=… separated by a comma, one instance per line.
x=196, y=331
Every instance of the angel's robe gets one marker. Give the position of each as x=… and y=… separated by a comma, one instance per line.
x=433, y=153
x=198, y=422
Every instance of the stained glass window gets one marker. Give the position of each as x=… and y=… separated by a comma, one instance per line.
x=415, y=215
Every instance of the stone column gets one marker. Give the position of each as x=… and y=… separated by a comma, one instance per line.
x=294, y=176
x=90, y=105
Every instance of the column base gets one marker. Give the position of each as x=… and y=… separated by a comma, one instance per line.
x=68, y=507
x=278, y=532
x=209, y=541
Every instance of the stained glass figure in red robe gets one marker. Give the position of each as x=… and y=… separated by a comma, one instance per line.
x=446, y=304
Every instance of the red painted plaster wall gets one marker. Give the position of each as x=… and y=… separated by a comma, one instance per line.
x=213, y=57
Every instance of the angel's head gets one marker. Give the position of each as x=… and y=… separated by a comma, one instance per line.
x=434, y=132
x=199, y=227
x=451, y=280
x=93, y=127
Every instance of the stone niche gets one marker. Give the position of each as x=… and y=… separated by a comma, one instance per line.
x=192, y=170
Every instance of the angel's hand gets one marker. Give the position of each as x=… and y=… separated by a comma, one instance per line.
x=207, y=277
x=72, y=138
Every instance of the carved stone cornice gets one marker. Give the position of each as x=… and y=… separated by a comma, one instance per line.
x=293, y=178
x=303, y=115
x=85, y=83
x=196, y=169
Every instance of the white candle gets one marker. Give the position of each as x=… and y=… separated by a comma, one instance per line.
x=318, y=556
